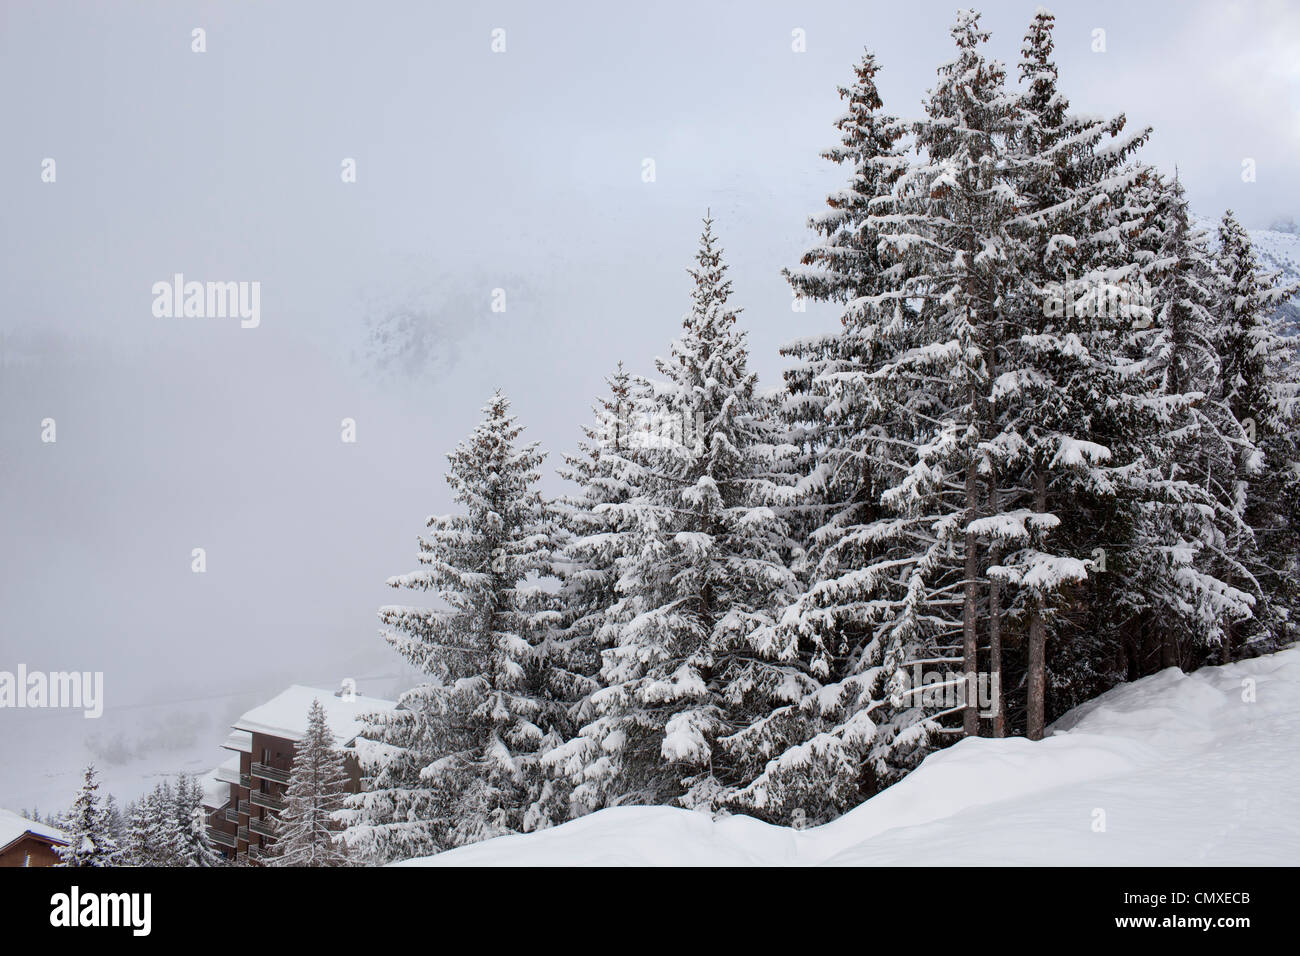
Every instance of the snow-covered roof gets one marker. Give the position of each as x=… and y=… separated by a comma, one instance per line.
x=216, y=783
x=228, y=771
x=286, y=714
x=239, y=740
x=13, y=827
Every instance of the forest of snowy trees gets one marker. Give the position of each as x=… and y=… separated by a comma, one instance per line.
x=1051, y=447
x=165, y=827
x=168, y=826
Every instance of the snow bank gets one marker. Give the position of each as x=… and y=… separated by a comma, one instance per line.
x=1173, y=770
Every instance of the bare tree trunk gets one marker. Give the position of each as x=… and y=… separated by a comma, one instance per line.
x=995, y=627
x=1169, y=650
x=970, y=646
x=1035, y=719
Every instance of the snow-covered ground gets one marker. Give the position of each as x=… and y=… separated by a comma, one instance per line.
x=1171, y=770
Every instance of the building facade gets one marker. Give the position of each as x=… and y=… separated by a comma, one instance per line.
x=244, y=796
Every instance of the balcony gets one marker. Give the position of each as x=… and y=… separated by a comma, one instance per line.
x=270, y=773
x=246, y=781
x=244, y=807
x=243, y=834
x=262, y=828
x=267, y=800
x=232, y=815
x=222, y=837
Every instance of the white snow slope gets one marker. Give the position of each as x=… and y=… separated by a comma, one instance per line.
x=1171, y=770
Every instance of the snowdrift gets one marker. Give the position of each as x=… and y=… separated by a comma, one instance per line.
x=1174, y=769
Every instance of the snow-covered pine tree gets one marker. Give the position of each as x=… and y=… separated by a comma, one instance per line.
x=193, y=848
x=137, y=844
x=959, y=228
x=1261, y=386
x=895, y=571
x=306, y=834
x=1058, y=461
x=699, y=591
x=592, y=536
x=90, y=835
x=824, y=410
x=810, y=748
x=1194, y=535
x=154, y=837
x=116, y=823
x=459, y=754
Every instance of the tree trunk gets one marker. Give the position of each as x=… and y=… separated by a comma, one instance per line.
x=995, y=627
x=970, y=648
x=1035, y=718
x=1169, y=650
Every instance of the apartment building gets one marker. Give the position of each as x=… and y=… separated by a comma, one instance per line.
x=244, y=796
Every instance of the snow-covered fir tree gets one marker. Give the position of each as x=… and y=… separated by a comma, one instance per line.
x=592, y=535
x=818, y=738
x=116, y=823
x=896, y=562
x=823, y=408
x=307, y=831
x=606, y=476
x=1192, y=578
x=193, y=849
x=1057, y=407
x=1261, y=385
x=1053, y=440
x=457, y=761
x=89, y=829
x=698, y=592
x=159, y=828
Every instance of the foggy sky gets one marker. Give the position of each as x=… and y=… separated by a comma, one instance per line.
x=475, y=171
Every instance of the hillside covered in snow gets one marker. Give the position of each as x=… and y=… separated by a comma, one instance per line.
x=1175, y=769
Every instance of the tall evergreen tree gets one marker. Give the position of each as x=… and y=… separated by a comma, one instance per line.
x=895, y=585
x=699, y=591
x=193, y=848
x=89, y=829
x=158, y=829
x=1193, y=580
x=894, y=564
x=594, y=533
x=824, y=405
x=459, y=754
x=1261, y=385
x=307, y=831
x=1059, y=405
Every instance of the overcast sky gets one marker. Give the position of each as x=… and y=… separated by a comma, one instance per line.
x=476, y=171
